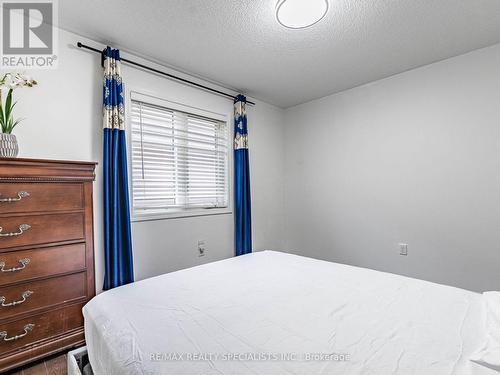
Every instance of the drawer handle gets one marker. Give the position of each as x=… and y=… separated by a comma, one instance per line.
x=20, y=195
x=22, y=228
x=24, y=262
x=27, y=328
x=26, y=294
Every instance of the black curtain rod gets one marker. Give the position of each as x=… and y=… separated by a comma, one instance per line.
x=171, y=76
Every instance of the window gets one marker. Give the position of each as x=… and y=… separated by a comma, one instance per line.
x=179, y=160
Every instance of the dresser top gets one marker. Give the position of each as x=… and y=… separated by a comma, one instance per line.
x=21, y=169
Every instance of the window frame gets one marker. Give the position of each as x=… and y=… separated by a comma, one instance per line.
x=175, y=213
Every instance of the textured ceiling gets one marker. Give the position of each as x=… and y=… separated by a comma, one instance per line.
x=239, y=44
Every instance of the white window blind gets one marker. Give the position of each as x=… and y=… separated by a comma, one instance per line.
x=179, y=160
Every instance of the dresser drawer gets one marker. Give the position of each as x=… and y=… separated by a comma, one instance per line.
x=27, y=297
x=31, y=264
x=24, y=332
x=33, y=197
x=39, y=229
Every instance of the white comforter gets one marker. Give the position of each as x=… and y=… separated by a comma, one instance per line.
x=271, y=310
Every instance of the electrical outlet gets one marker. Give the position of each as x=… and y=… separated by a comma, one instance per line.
x=403, y=249
x=201, y=248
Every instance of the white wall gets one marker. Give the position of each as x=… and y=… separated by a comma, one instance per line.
x=413, y=158
x=63, y=121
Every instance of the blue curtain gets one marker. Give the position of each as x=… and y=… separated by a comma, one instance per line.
x=119, y=269
x=242, y=204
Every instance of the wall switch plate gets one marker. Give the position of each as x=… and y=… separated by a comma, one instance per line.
x=201, y=248
x=403, y=249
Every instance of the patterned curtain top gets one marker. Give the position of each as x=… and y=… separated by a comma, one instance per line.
x=240, y=123
x=113, y=110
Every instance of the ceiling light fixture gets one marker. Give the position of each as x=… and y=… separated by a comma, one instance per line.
x=299, y=14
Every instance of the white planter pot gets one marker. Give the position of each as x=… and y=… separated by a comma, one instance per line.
x=8, y=146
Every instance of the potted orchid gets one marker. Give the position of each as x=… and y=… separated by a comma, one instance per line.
x=10, y=82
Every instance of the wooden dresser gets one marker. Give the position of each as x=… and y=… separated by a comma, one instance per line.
x=46, y=257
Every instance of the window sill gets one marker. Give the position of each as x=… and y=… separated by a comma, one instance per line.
x=181, y=214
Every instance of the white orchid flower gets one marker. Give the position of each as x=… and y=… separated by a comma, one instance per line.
x=13, y=81
x=12, y=84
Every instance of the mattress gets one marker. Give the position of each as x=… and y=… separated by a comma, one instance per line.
x=276, y=313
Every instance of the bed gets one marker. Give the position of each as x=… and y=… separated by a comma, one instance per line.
x=276, y=313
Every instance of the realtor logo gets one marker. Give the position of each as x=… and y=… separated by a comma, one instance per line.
x=28, y=35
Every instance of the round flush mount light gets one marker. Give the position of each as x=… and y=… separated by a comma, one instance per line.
x=299, y=14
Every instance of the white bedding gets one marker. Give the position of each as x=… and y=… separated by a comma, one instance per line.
x=267, y=304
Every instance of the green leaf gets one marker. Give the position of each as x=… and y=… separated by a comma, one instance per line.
x=9, y=125
x=2, y=119
x=16, y=123
x=8, y=104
